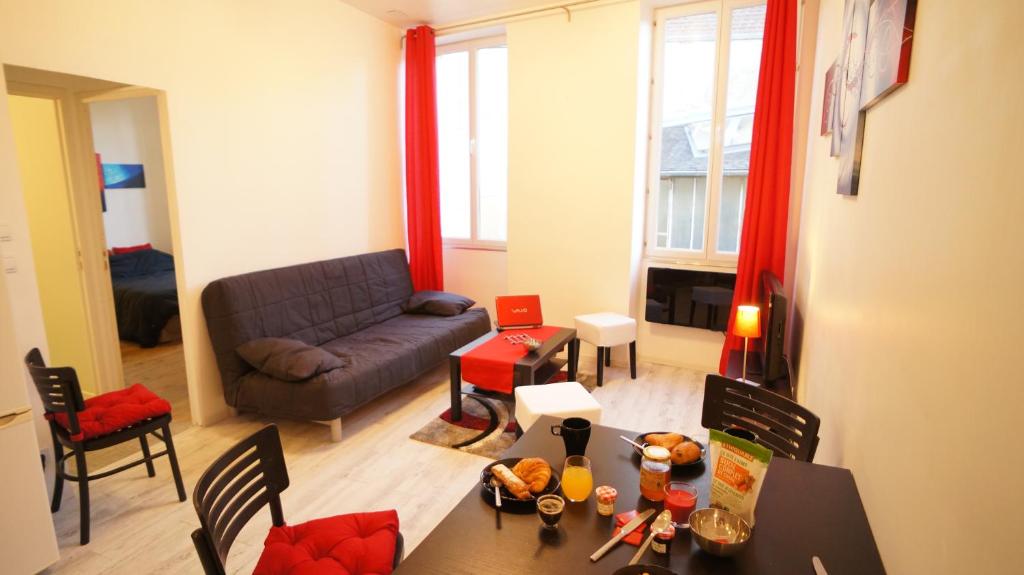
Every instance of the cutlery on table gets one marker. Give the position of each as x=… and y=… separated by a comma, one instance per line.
x=660, y=525
x=497, y=491
x=626, y=530
x=819, y=569
x=631, y=442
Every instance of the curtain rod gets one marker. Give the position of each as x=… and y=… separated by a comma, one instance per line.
x=512, y=15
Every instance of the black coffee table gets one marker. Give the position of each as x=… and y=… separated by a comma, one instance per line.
x=535, y=367
x=804, y=510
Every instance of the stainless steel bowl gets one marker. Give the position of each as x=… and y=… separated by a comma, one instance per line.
x=719, y=532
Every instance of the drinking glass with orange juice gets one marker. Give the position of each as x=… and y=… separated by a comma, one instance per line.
x=577, y=478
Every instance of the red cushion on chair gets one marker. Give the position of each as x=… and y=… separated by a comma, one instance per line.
x=115, y=410
x=355, y=544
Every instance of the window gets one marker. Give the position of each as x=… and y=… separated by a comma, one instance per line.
x=707, y=58
x=472, y=136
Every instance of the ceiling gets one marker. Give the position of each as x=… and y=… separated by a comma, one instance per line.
x=407, y=13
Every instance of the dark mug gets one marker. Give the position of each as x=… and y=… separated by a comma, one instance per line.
x=575, y=433
x=741, y=433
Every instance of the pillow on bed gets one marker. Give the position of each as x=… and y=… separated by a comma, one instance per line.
x=287, y=359
x=437, y=303
x=130, y=249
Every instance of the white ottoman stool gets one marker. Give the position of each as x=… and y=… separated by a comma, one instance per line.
x=607, y=330
x=566, y=399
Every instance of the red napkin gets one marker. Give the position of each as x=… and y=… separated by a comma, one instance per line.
x=637, y=536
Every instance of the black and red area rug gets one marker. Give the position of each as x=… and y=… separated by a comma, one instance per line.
x=485, y=428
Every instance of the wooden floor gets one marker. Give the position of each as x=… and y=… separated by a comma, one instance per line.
x=138, y=525
x=162, y=370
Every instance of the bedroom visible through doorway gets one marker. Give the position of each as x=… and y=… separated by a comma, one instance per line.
x=137, y=229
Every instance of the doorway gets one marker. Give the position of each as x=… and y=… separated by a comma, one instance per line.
x=126, y=138
x=112, y=316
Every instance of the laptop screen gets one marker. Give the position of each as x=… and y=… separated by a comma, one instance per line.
x=516, y=311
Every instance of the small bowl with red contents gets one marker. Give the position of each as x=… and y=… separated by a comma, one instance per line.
x=719, y=532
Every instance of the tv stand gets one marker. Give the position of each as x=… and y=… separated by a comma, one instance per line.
x=755, y=373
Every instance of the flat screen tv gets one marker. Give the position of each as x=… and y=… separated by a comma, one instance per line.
x=774, y=306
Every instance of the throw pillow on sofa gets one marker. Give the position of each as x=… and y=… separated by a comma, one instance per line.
x=437, y=303
x=287, y=359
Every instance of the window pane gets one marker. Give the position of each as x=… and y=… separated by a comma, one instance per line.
x=687, y=104
x=452, y=73
x=730, y=214
x=492, y=142
x=746, y=33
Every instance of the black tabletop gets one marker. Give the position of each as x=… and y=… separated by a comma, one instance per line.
x=804, y=510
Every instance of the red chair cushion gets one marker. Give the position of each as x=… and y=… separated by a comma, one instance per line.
x=115, y=410
x=355, y=544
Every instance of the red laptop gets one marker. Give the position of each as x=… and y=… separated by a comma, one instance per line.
x=518, y=311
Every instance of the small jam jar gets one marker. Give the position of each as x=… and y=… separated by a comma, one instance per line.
x=662, y=543
x=655, y=472
x=606, y=496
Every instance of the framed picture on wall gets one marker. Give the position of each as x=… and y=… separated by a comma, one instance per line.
x=123, y=176
x=887, y=53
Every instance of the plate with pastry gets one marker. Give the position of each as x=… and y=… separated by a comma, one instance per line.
x=685, y=450
x=520, y=480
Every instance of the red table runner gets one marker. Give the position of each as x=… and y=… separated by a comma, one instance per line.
x=491, y=364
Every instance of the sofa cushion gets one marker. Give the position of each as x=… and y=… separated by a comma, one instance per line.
x=287, y=359
x=111, y=411
x=359, y=543
x=437, y=303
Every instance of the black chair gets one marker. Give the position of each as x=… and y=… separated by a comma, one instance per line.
x=786, y=427
x=234, y=488
x=61, y=393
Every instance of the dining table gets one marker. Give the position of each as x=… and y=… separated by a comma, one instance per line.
x=804, y=510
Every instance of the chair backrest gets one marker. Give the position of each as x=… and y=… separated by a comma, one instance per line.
x=233, y=489
x=58, y=388
x=786, y=427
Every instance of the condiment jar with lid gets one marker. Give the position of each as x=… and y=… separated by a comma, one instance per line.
x=662, y=543
x=606, y=496
x=655, y=472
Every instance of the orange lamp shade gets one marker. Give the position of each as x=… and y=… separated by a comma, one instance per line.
x=748, y=321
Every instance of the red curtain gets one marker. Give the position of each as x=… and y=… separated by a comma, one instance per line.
x=763, y=243
x=422, y=190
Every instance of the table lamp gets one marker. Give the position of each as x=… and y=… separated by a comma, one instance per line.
x=747, y=325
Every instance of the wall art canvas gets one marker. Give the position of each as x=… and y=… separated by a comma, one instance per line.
x=827, y=105
x=887, y=53
x=117, y=176
x=848, y=123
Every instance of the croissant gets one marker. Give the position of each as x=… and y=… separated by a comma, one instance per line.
x=666, y=440
x=535, y=472
x=515, y=486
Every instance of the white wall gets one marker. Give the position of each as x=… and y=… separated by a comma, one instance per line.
x=907, y=295
x=24, y=311
x=128, y=132
x=282, y=124
x=573, y=159
x=477, y=274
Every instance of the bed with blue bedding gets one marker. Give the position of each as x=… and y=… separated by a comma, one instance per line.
x=145, y=294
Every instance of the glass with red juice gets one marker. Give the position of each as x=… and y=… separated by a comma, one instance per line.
x=681, y=500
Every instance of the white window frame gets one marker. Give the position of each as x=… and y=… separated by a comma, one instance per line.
x=474, y=241
x=709, y=255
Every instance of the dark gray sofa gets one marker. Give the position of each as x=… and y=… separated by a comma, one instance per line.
x=351, y=307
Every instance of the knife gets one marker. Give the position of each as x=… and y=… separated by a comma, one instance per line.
x=626, y=530
x=819, y=569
